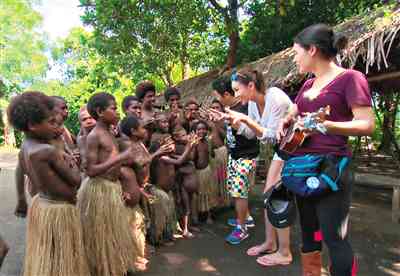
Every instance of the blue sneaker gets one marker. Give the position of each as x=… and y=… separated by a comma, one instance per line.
x=249, y=222
x=237, y=236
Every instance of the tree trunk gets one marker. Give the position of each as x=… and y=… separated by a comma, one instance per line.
x=386, y=142
x=232, y=26
x=234, y=40
x=231, y=20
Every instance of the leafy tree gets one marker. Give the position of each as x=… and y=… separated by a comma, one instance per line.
x=83, y=72
x=271, y=25
x=152, y=37
x=22, y=45
x=22, y=53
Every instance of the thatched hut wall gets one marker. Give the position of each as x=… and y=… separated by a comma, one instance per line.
x=374, y=48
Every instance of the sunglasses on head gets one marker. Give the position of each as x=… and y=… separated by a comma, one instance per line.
x=238, y=76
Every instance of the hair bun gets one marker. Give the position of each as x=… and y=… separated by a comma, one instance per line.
x=339, y=41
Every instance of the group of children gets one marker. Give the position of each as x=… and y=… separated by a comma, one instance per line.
x=102, y=200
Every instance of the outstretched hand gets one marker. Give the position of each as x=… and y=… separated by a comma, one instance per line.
x=236, y=117
x=216, y=115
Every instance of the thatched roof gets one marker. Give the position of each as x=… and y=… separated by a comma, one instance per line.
x=374, y=48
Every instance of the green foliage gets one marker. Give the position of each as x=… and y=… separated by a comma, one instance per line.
x=149, y=38
x=271, y=28
x=22, y=46
x=84, y=72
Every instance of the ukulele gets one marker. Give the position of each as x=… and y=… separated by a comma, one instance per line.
x=296, y=134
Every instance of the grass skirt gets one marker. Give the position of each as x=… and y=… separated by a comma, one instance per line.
x=54, y=244
x=138, y=229
x=160, y=215
x=208, y=190
x=220, y=170
x=106, y=232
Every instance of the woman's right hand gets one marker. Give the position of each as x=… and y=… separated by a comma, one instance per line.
x=285, y=122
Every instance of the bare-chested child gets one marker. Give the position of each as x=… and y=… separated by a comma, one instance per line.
x=163, y=170
x=207, y=195
x=87, y=123
x=191, y=113
x=146, y=92
x=186, y=177
x=132, y=186
x=54, y=238
x=22, y=180
x=107, y=238
x=157, y=202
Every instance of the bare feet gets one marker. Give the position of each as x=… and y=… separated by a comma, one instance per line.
x=139, y=267
x=177, y=236
x=142, y=260
x=263, y=248
x=141, y=264
x=188, y=235
x=275, y=259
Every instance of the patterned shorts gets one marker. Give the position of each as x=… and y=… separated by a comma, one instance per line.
x=238, y=178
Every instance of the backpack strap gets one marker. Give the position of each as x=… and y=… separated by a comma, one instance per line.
x=344, y=161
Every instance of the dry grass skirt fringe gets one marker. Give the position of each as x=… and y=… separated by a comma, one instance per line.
x=208, y=190
x=220, y=170
x=160, y=215
x=54, y=240
x=138, y=229
x=106, y=233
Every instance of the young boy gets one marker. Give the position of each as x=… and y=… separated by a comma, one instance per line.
x=54, y=238
x=206, y=198
x=57, y=141
x=132, y=106
x=146, y=93
x=106, y=230
x=191, y=114
x=188, y=183
x=159, y=208
x=132, y=186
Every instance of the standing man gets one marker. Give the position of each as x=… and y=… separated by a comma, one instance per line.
x=241, y=161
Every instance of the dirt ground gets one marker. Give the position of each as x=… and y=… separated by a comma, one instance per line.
x=375, y=239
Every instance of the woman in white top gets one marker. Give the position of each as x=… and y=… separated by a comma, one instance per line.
x=266, y=108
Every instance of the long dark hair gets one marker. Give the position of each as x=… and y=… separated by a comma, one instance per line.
x=323, y=38
x=247, y=75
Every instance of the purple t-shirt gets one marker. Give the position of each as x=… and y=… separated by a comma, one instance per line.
x=347, y=90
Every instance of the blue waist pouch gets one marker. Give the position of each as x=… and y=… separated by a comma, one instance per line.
x=313, y=175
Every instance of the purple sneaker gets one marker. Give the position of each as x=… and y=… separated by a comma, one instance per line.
x=237, y=235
